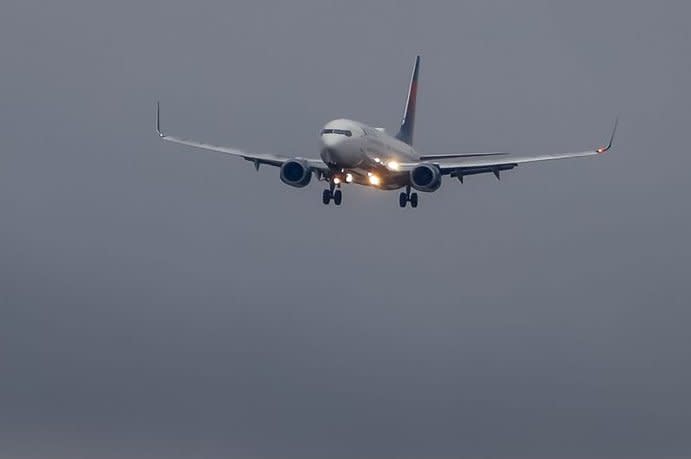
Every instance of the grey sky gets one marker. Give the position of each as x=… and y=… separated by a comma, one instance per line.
x=162, y=302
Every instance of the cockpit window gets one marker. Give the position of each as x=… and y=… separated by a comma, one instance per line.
x=337, y=131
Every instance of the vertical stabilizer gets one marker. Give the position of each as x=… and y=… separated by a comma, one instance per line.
x=408, y=122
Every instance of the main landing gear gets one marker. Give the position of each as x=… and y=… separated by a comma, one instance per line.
x=407, y=197
x=330, y=194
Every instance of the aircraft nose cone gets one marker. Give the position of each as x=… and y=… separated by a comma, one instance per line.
x=332, y=149
x=340, y=146
x=328, y=156
x=343, y=158
x=331, y=140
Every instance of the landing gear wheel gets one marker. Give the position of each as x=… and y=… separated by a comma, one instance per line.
x=326, y=197
x=413, y=200
x=338, y=197
x=402, y=200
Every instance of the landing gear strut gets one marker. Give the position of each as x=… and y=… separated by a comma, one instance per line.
x=407, y=197
x=331, y=193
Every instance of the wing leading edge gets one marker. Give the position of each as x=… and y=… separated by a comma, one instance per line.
x=256, y=158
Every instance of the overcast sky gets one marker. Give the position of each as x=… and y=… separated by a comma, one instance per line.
x=160, y=302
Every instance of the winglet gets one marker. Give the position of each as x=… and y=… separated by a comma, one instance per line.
x=611, y=139
x=158, y=119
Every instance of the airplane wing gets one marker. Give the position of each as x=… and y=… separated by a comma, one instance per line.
x=478, y=163
x=256, y=158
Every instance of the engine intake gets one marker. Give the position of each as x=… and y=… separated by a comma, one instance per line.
x=296, y=173
x=425, y=177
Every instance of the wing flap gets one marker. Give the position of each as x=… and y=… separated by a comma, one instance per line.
x=510, y=159
x=478, y=163
x=273, y=160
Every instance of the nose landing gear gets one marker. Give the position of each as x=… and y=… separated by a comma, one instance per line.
x=330, y=194
x=407, y=197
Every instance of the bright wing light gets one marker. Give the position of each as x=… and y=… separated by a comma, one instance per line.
x=349, y=178
x=374, y=180
x=393, y=165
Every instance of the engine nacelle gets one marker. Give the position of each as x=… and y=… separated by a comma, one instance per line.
x=425, y=177
x=296, y=173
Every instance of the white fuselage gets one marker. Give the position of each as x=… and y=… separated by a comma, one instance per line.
x=351, y=147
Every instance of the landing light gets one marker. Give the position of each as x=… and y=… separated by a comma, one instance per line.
x=337, y=180
x=393, y=165
x=374, y=180
x=349, y=178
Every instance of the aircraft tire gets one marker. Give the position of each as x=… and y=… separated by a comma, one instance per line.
x=413, y=200
x=402, y=200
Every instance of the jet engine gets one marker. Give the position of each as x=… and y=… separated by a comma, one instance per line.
x=425, y=177
x=296, y=173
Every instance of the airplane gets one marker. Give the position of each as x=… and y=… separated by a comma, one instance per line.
x=355, y=153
